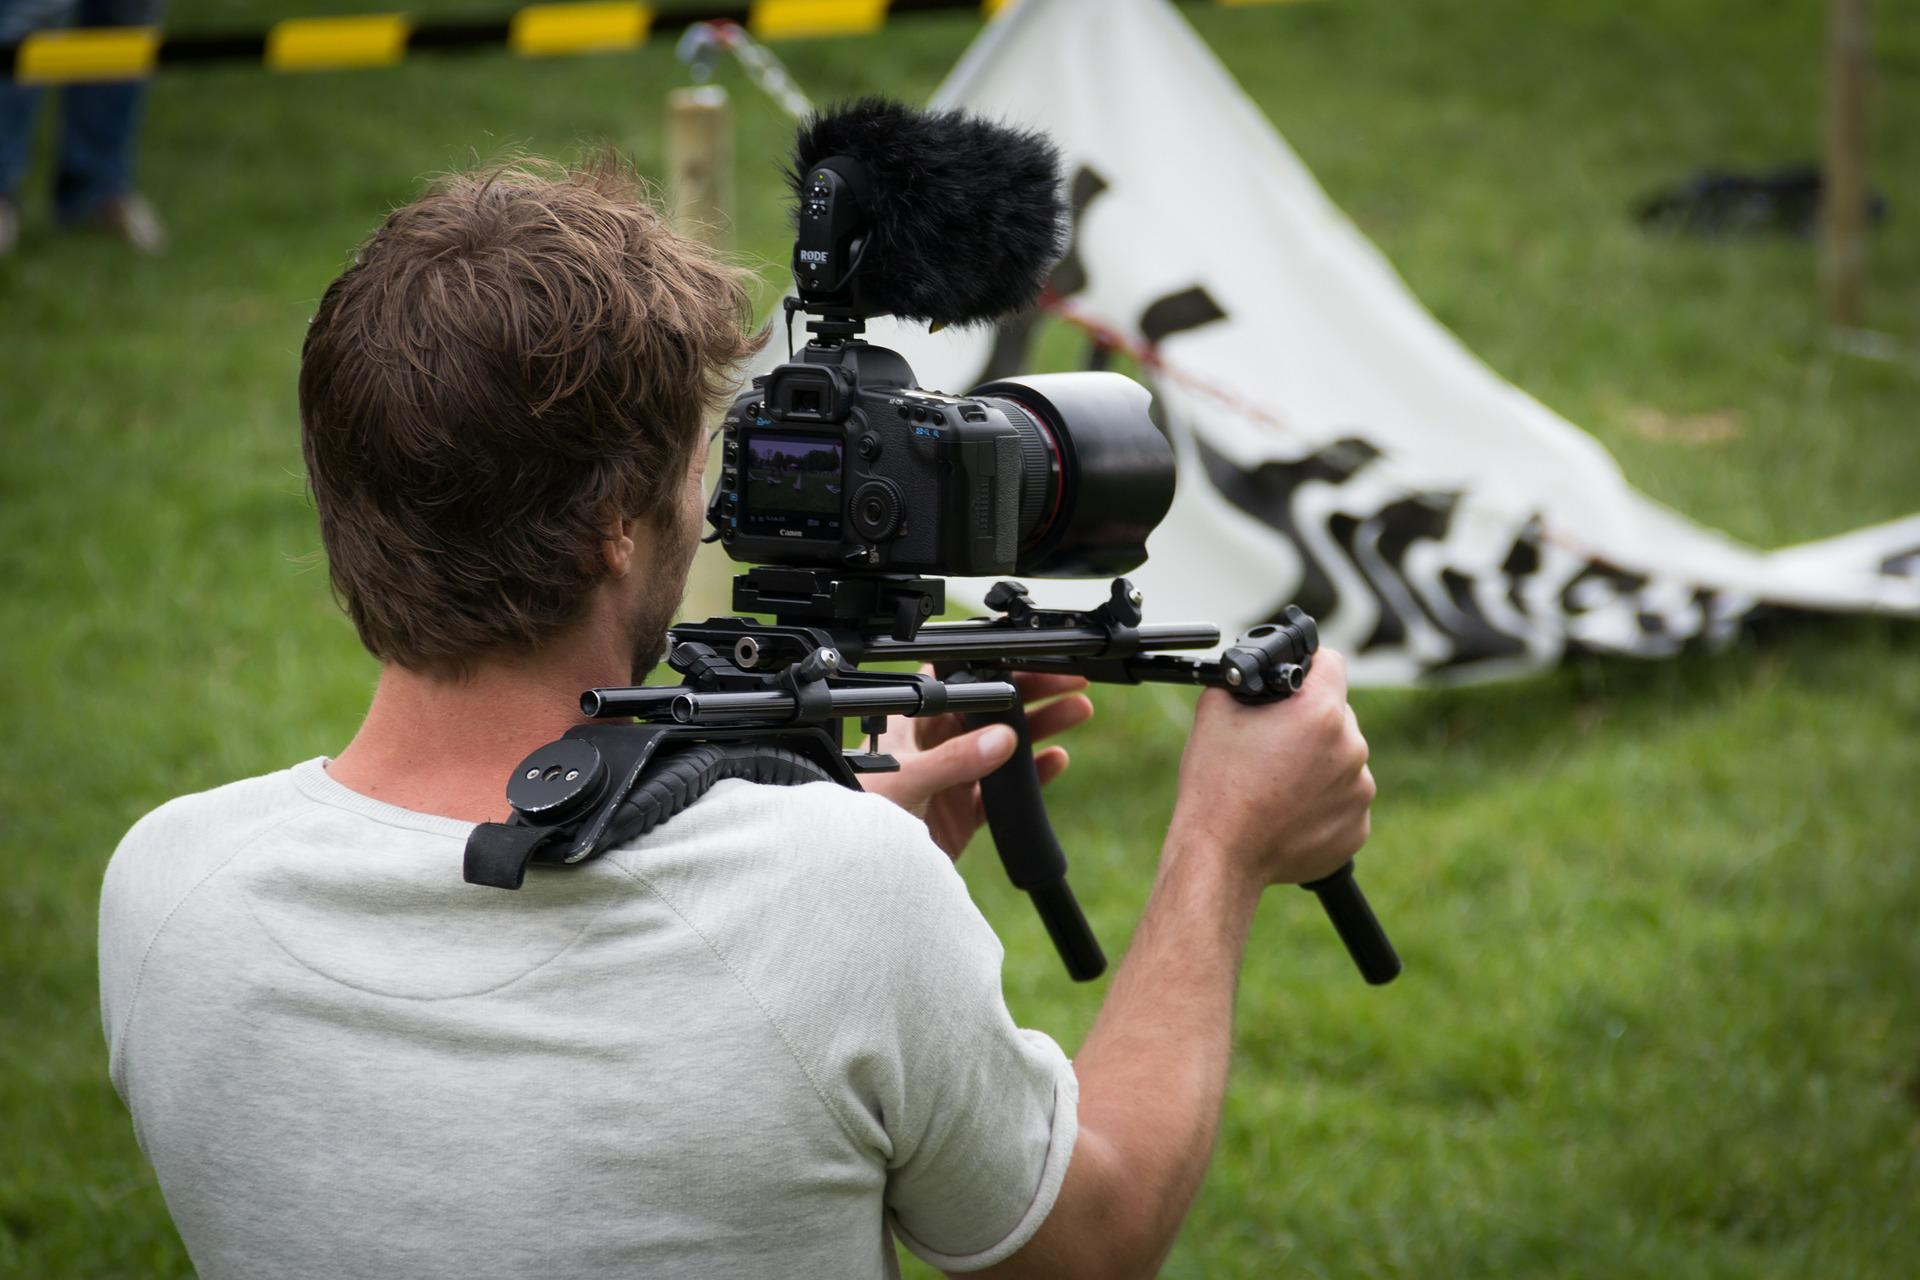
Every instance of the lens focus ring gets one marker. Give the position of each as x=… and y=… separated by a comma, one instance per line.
x=876, y=510
x=1036, y=464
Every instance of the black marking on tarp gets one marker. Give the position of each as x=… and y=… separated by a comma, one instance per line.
x=1522, y=562
x=1902, y=564
x=1619, y=579
x=1479, y=640
x=1070, y=273
x=1266, y=493
x=1389, y=628
x=1177, y=313
x=1399, y=524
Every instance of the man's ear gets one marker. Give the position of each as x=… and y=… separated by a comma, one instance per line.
x=618, y=547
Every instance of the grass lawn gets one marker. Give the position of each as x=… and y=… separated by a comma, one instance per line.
x=1660, y=1014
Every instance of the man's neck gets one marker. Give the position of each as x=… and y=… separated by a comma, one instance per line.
x=445, y=746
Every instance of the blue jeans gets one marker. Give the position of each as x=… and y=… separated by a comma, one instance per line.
x=98, y=122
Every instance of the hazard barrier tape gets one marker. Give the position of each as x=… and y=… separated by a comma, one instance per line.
x=384, y=39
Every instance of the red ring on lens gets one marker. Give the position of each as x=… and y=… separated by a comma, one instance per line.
x=1055, y=467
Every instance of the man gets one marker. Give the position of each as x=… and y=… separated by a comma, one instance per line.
x=99, y=125
x=765, y=1040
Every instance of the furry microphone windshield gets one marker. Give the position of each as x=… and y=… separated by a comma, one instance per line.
x=963, y=218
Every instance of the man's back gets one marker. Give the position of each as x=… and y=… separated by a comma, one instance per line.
x=752, y=1043
x=743, y=1047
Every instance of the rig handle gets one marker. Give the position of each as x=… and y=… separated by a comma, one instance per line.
x=1269, y=664
x=1354, y=921
x=1017, y=816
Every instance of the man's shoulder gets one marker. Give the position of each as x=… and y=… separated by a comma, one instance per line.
x=168, y=855
x=822, y=856
x=177, y=845
x=219, y=816
x=820, y=824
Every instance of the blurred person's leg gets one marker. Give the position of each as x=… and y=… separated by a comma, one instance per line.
x=20, y=105
x=93, y=178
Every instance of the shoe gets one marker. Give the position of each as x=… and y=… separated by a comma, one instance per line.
x=9, y=227
x=131, y=218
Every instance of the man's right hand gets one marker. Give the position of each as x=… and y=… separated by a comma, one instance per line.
x=1280, y=791
x=1271, y=794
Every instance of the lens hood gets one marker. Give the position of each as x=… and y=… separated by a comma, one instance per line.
x=1107, y=476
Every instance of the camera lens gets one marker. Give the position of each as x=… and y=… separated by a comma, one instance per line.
x=1096, y=473
x=1039, y=468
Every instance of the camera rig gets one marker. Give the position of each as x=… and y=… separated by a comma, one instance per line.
x=842, y=481
x=766, y=700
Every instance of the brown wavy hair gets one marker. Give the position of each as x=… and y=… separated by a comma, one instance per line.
x=510, y=364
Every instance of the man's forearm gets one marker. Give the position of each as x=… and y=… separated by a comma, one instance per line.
x=1153, y=1072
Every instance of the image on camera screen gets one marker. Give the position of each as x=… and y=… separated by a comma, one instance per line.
x=793, y=485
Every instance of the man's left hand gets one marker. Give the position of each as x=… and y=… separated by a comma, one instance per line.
x=942, y=762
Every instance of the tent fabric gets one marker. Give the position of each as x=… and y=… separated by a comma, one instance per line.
x=1338, y=447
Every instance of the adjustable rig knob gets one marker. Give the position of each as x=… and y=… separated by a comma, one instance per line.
x=1271, y=661
x=558, y=781
x=818, y=665
x=1124, y=603
x=1002, y=595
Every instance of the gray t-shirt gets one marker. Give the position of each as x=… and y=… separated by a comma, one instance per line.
x=751, y=1045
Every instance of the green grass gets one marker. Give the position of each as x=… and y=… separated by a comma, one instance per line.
x=1659, y=1017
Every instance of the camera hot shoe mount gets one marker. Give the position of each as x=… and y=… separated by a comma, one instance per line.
x=764, y=700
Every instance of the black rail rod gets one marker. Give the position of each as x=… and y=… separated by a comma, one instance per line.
x=1141, y=669
x=963, y=641
x=904, y=699
x=634, y=700
x=690, y=706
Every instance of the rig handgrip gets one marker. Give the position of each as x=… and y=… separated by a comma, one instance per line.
x=1067, y=926
x=1032, y=856
x=1354, y=921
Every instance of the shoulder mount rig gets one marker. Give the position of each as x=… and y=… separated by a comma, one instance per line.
x=606, y=784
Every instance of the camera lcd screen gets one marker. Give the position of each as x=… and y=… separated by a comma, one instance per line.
x=793, y=486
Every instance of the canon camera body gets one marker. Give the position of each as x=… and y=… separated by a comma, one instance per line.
x=837, y=460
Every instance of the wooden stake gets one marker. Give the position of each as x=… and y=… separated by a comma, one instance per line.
x=700, y=163
x=1843, y=213
x=700, y=191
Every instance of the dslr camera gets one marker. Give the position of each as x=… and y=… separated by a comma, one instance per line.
x=839, y=460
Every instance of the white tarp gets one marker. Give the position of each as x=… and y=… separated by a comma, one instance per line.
x=1338, y=448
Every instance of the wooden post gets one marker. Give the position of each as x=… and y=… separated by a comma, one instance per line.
x=1843, y=212
x=700, y=163
x=700, y=192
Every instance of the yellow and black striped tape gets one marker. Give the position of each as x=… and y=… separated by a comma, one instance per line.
x=383, y=39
